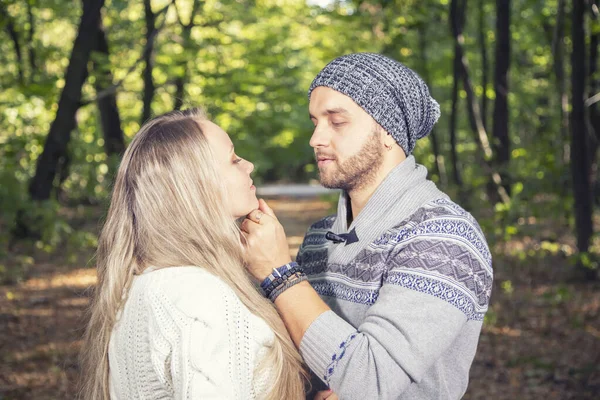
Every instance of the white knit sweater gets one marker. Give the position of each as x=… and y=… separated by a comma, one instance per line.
x=184, y=334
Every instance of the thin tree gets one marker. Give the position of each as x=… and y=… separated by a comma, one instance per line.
x=482, y=30
x=114, y=142
x=56, y=142
x=457, y=12
x=580, y=155
x=149, y=88
x=594, y=115
x=558, y=51
x=440, y=168
x=9, y=25
x=30, y=43
x=500, y=127
x=186, y=33
x=457, y=21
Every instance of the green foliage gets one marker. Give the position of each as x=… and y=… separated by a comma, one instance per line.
x=249, y=64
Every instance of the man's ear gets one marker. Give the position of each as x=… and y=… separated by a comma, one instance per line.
x=388, y=140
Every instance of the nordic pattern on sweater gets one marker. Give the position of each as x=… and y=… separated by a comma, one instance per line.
x=440, y=250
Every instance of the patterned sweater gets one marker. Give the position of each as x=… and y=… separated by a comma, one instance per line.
x=408, y=298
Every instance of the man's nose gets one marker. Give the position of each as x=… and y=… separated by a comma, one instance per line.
x=319, y=138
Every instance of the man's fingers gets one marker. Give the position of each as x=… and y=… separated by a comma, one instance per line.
x=255, y=216
x=251, y=227
x=247, y=225
x=264, y=207
x=323, y=394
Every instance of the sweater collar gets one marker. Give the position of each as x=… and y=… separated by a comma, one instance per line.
x=402, y=192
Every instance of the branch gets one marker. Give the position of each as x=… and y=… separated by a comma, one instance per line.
x=112, y=89
x=592, y=100
x=32, y=56
x=12, y=32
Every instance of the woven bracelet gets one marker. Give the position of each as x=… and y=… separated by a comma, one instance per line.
x=271, y=284
x=294, y=280
x=278, y=273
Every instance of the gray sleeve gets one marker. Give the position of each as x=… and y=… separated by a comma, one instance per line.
x=439, y=276
x=403, y=334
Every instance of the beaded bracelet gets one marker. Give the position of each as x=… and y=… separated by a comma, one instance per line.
x=293, y=280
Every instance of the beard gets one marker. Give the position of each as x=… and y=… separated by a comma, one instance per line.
x=357, y=171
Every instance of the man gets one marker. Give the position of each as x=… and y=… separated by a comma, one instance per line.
x=401, y=276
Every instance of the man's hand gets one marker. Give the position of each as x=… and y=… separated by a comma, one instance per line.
x=326, y=395
x=265, y=242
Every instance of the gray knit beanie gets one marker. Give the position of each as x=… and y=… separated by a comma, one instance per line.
x=393, y=94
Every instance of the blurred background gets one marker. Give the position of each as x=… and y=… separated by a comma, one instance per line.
x=516, y=145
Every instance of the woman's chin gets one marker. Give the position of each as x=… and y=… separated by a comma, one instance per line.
x=252, y=205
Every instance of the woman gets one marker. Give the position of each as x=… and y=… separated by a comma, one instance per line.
x=174, y=314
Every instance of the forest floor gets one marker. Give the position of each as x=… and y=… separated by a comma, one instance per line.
x=541, y=338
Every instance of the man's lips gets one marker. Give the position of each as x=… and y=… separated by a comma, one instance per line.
x=324, y=160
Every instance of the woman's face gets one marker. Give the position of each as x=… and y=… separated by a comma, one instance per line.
x=234, y=171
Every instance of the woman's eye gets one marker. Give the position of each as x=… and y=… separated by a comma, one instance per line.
x=237, y=160
x=337, y=123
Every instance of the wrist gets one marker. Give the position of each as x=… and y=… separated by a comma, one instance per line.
x=277, y=274
x=269, y=269
x=281, y=279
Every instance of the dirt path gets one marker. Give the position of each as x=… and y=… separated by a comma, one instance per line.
x=541, y=340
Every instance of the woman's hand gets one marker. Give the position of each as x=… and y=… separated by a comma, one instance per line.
x=265, y=242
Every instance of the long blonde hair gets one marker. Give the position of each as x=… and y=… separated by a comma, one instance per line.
x=167, y=209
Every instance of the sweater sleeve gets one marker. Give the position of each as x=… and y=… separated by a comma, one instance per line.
x=420, y=310
x=214, y=354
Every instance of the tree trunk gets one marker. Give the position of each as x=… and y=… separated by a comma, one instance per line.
x=60, y=131
x=440, y=168
x=593, y=67
x=186, y=35
x=179, y=91
x=594, y=116
x=453, y=154
x=558, y=50
x=114, y=142
x=149, y=88
x=457, y=12
x=30, y=45
x=484, y=63
x=500, y=129
x=580, y=163
x=14, y=36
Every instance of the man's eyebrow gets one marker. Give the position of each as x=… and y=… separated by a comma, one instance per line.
x=330, y=111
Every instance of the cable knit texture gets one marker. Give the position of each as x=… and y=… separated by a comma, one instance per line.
x=184, y=334
x=393, y=94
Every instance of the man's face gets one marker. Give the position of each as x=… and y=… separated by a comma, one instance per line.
x=347, y=141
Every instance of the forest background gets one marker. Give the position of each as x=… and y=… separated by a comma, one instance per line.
x=516, y=145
